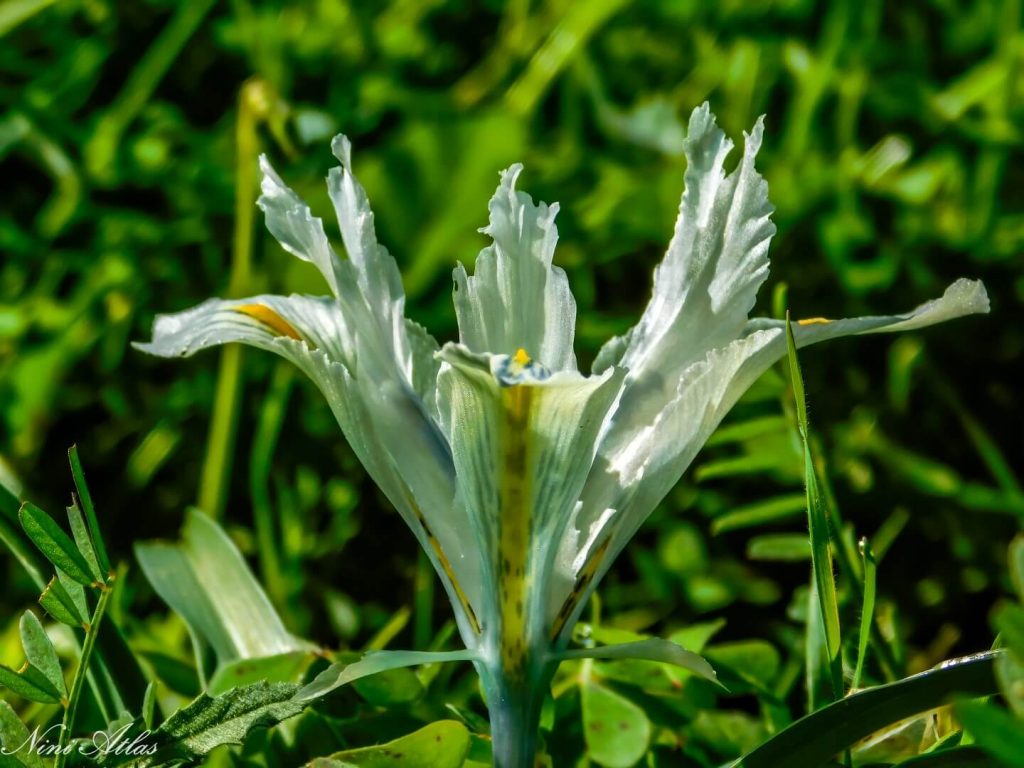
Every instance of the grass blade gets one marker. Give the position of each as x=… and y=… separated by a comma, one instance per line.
x=817, y=514
x=867, y=612
x=813, y=740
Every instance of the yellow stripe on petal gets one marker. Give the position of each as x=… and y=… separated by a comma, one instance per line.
x=814, y=321
x=514, y=538
x=446, y=565
x=269, y=318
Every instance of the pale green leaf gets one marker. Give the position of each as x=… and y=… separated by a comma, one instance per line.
x=443, y=744
x=40, y=652
x=616, y=730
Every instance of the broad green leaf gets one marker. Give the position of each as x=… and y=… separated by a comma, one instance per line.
x=813, y=740
x=58, y=603
x=56, y=545
x=443, y=744
x=283, y=666
x=338, y=675
x=695, y=636
x=616, y=730
x=957, y=757
x=753, y=660
x=652, y=649
x=781, y=547
x=29, y=683
x=14, y=737
x=1010, y=674
x=83, y=541
x=205, y=579
x=210, y=722
x=1009, y=620
x=391, y=688
x=89, y=509
x=994, y=729
x=40, y=651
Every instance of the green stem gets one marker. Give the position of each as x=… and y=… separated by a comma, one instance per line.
x=252, y=107
x=515, y=708
x=68, y=724
x=268, y=430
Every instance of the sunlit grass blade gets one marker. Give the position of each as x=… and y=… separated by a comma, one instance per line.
x=813, y=740
x=821, y=549
x=867, y=613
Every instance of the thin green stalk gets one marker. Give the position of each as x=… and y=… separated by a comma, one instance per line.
x=821, y=540
x=252, y=107
x=68, y=724
x=867, y=610
x=158, y=59
x=268, y=430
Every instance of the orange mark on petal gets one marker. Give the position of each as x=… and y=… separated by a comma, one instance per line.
x=269, y=318
x=814, y=321
x=520, y=357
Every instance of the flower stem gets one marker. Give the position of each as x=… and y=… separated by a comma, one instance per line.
x=81, y=674
x=515, y=708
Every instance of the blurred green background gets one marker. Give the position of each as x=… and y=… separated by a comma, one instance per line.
x=128, y=140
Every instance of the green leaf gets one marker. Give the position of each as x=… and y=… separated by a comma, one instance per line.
x=40, y=651
x=780, y=547
x=205, y=579
x=774, y=510
x=616, y=730
x=817, y=514
x=995, y=730
x=652, y=649
x=13, y=739
x=29, y=683
x=957, y=757
x=1009, y=620
x=210, y=722
x=867, y=612
x=338, y=675
x=1016, y=562
x=443, y=744
x=813, y=740
x=58, y=603
x=89, y=509
x=1010, y=674
x=56, y=545
x=83, y=541
x=283, y=667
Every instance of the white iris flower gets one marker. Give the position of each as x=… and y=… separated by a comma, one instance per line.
x=522, y=477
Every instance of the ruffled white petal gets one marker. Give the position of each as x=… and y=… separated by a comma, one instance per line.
x=707, y=283
x=630, y=478
x=516, y=298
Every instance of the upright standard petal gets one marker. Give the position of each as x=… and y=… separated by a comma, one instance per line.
x=516, y=298
x=630, y=478
x=523, y=441
x=707, y=283
x=367, y=286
